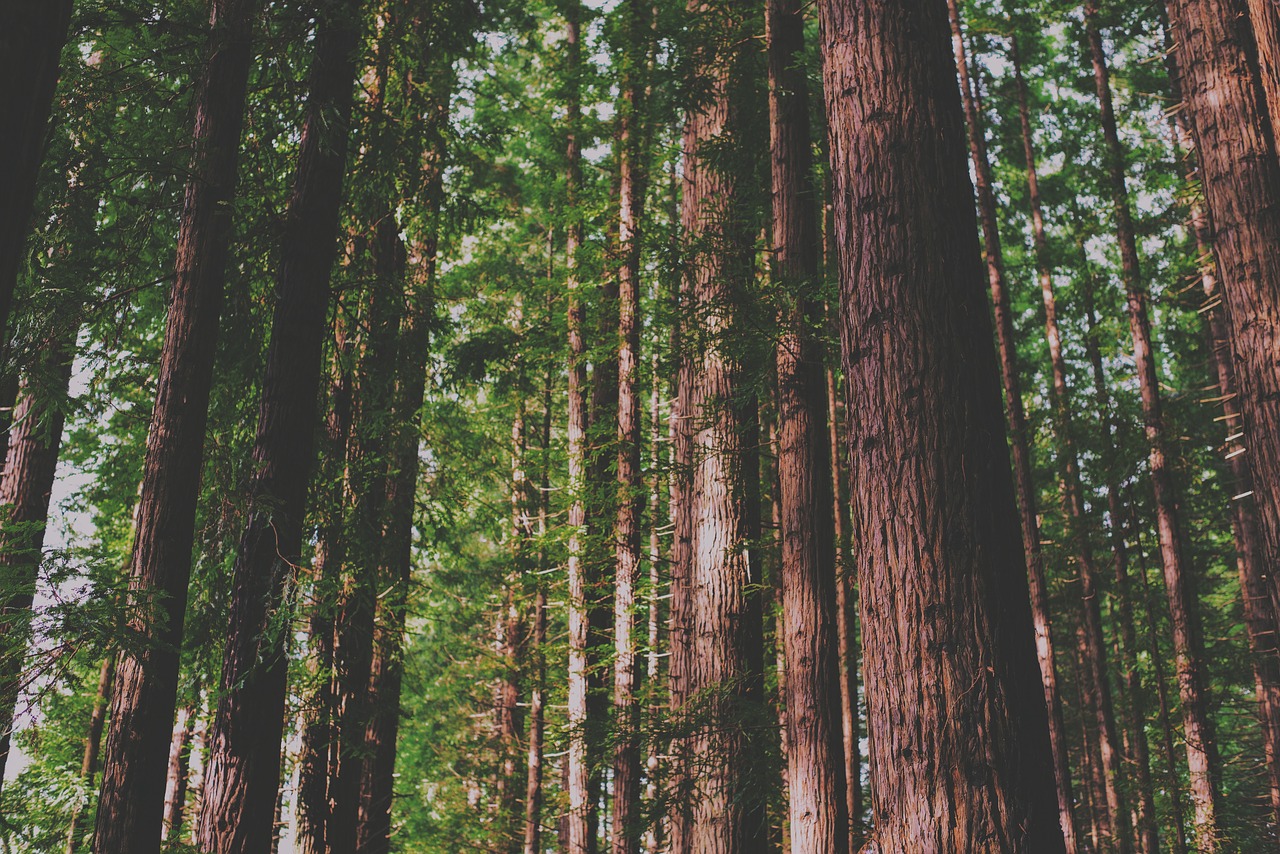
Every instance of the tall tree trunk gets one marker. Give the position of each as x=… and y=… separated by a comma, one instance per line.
x=818, y=815
x=31, y=39
x=1024, y=478
x=1124, y=594
x=92, y=746
x=1265, y=20
x=846, y=620
x=537, y=652
x=25, y=489
x=396, y=546
x=654, y=838
x=130, y=807
x=961, y=690
x=1177, y=572
x=627, y=532
x=1261, y=624
x=243, y=773
x=1073, y=491
x=724, y=809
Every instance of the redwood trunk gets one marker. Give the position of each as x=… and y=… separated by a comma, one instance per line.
x=958, y=721
x=814, y=737
x=34, y=444
x=1265, y=20
x=175, y=799
x=1192, y=685
x=241, y=781
x=131, y=804
x=31, y=40
x=92, y=746
x=537, y=654
x=1024, y=479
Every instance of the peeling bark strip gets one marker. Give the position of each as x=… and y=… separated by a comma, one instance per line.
x=1192, y=686
x=237, y=812
x=817, y=790
x=959, y=729
x=31, y=38
x=132, y=798
x=1024, y=479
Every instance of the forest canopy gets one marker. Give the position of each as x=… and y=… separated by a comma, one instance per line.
x=720, y=427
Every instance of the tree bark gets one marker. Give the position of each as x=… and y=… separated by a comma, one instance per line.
x=1015, y=413
x=243, y=773
x=1265, y=20
x=955, y=705
x=627, y=532
x=31, y=39
x=1186, y=631
x=34, y=444
x=817, y=789
x=175, y=797
x=537, y=652
x=131, y=803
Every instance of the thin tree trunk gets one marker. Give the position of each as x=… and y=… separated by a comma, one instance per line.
x=1177, y=572
x=131, y=804
x=1123, y=589
x=25, y=489
x=627, y=533
x=175, y=798
x=31, y=39
x=537, y=652
x=846, y=621
x=934, y=507
x=243, y=773
x=92, y=745
x=653, y=838
x=1024, y=478
x=816, y=761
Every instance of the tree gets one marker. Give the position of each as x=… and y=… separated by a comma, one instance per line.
x=142, y=706
x=953, y=693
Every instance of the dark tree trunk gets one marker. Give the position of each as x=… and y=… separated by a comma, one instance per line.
x=723, y=809
x=958, y=721
x=1177, y=571
x=243, y=773
x=1265, y=20
x=627, y=533
x=25, y=488
x=131, y=804
x=818, y=814
x=31, y=39
x=1015, y=413
x=537, y=653
x=92, y=746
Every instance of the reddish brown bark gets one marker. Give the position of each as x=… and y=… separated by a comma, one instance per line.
x=131, y=803
x=31, y=40
x=243, y=773
x=1192, y=685
x=1264, y=17
x=34, y=444
x=92, y=747
x=1015, y=413
x=957, y=715
x=818, y=818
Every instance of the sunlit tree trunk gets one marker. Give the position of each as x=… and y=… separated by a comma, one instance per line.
x=940, y=550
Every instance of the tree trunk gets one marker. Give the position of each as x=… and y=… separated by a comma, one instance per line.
x=1191, y=679
x=957, y=713
x=632, y=186
x=724, y=809
x=131, y=804
x=1265, y=20
x=92, y=745
x=243, y=773
x=25, y=489
x=846, y=621
x=816, y=761
x=537, y=652
x=1024, y=478
x=175, y=797
x=31, y=39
